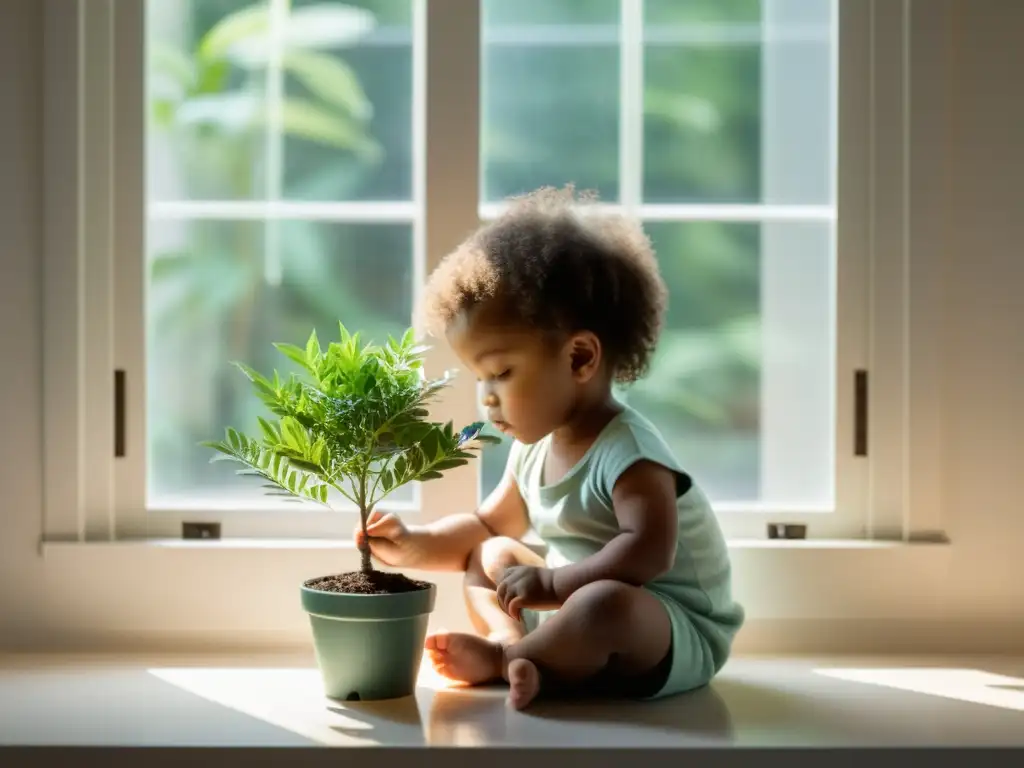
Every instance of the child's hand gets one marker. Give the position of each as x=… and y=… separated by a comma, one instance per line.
x=389, y=539
x=524, y=586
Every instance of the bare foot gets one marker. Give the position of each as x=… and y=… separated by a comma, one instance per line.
x=523, y=682
x=465, y=658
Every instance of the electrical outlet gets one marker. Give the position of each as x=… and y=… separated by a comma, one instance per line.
x=787, y=531
x=200, y=530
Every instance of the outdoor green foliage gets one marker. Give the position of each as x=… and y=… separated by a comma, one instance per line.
x=357, y=423
x=550, y=116
x=213, y=99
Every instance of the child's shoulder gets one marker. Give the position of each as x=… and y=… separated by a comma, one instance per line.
x=629, y=438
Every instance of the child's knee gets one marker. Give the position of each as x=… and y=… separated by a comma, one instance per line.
x=489, y=559
x=607, y=605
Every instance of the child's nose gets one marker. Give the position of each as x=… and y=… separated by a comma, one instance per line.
x=486, y=400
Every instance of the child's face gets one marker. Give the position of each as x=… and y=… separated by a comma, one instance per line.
x=527, y=386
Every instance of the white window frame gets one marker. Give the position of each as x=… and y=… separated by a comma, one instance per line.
x=94, y=273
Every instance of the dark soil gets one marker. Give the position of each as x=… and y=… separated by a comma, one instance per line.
x=372, y=583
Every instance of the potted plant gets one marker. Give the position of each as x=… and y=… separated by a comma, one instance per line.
x=355, y=427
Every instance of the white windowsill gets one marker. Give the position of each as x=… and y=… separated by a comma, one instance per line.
x=836, y=595
x=285, y=544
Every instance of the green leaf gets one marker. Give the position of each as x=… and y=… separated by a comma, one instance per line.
x=331, y=79
x=306, y=466
x=306, y=120
x=233, y=29
x=293, y=353
x=173, y=63
x=328, y=25
x=164, y=111
x=362, y=420
x=312, y=350
x=270, y=434
x=232, y=113
x=447, y=464
x=212, y=79
x=344, y=335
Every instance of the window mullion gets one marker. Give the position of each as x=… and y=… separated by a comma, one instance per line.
x=889, y=501
x=274, y=138
x=98, y=276
x=131, y=271
x=390, y=212
x=451, y=181
x=631, y=105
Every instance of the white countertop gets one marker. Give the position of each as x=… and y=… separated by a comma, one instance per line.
x=276, y=701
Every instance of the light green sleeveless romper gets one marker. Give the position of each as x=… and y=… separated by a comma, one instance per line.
x=575, y=519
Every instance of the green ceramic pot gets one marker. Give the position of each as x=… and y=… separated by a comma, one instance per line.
x=369, y=647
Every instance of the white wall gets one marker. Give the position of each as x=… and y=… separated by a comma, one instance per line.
x=969, y=254
x=983, y=289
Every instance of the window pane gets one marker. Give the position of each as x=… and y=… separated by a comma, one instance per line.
x=492, y=465
x=738, y=101
x=210, y=302
x=256, y=101
x=550, y=97
x=741, y=383
x=206, y=116
x=361, y=81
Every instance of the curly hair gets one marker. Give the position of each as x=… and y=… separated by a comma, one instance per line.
x=557, y=262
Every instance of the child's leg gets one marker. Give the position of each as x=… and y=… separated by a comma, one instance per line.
x=472, y=659
x=607, y=628
x=486, y=564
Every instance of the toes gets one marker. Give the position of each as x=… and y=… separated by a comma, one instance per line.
x=524, y=683
x=436, y=642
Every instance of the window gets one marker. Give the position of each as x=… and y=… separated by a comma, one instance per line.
x=253, y=168
x=716, y=123
x=280, y=199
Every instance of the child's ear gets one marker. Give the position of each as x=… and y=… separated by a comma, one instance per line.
x=585, y=356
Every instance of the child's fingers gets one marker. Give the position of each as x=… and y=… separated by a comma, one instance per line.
x=357, y=532
x=515, y=607
x=373, y=525
x=503, y=597
x=386, y=527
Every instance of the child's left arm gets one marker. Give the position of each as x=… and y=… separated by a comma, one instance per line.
x=644, y=500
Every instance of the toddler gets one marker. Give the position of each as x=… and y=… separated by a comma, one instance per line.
x=551, y=306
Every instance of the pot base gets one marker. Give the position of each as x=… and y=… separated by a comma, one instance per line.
x=367, y=660
x=369, y=647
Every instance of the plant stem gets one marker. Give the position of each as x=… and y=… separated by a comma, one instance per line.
x=366, y=566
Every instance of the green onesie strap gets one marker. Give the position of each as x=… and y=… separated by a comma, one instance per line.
x=631, y=439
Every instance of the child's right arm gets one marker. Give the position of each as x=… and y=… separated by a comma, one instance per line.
x=445, y=544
